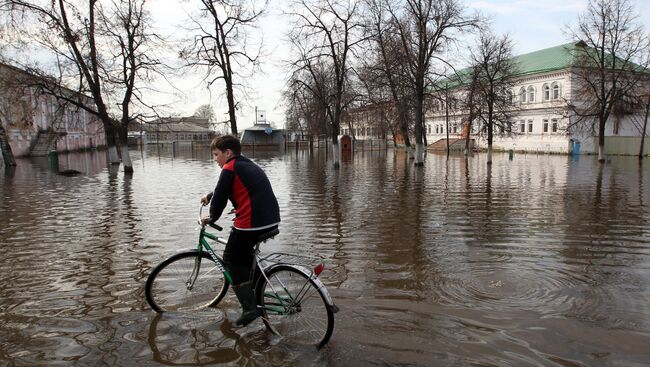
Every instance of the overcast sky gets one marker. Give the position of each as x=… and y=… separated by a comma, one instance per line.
x=532, y=24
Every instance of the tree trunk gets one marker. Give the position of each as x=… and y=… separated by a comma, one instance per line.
x=7, y=154
x=124, y=148
x=109, y=131
x=231, y=107
x=419, y=154
x=490, y=139
x=336, y=154
x=602, y=155
x=447, y=118
x=419, y=117
x=645, y=125
x=467, y=138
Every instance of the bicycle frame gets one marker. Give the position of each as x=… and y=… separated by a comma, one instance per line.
x=286, y=303
x=203, y=244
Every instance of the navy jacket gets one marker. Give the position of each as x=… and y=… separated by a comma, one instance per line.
x=248, y=188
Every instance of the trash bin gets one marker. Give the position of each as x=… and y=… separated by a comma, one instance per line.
x=510, y=154
x=54, y=160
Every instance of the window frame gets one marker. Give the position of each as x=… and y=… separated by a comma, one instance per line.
x=546, y=92
x=531, y=93
x=556, y=92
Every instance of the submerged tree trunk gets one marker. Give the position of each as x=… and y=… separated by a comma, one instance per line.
x=602, y=154
x=468, y=139
x=7, y=154
x=111, y=144
x=419, y=154
x=124, y=148
x=645, y=125
x=336, y=154
x=490, y=138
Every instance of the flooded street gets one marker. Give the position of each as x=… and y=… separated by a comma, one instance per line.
x=539, y=261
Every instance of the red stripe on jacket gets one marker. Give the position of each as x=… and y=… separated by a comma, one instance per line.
x=242, y=198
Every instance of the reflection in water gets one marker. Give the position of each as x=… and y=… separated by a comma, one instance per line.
x=542, y=260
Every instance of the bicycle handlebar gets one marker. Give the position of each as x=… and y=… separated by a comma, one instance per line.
x=215, y=226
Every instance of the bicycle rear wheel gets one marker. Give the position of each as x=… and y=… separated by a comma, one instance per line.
x=171, y=287
x=294, y=307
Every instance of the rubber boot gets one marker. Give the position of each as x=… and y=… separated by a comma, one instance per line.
x=246, y=297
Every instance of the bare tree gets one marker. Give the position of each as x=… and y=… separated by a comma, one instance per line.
x=205, y=111
x=307, y=99
x=426, y=29
x=391, y=62
x=326, y=34
x=493, y=70
x=609, y=60
x=101, y=50
x=133, y=61
x=221, y=47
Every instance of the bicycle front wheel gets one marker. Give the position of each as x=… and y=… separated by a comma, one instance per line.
x=294, y=307
x=187, y=281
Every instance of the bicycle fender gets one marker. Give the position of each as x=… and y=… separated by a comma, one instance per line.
x=309, y=273
x=321, y=287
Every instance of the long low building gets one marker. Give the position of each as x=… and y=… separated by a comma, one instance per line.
x=173, y=129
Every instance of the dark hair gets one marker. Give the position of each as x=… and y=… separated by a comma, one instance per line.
x=226, y=142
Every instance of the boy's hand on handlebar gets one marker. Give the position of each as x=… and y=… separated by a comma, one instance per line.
x=204, y=219
x=205, y=200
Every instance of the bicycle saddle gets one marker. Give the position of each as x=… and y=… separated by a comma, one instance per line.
x=268, y=235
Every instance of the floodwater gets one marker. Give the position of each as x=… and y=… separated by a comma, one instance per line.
x=539, y=261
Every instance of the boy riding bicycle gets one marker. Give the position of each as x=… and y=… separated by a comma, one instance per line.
x=256, y=211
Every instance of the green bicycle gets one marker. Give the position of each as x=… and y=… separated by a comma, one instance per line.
x=294, y=302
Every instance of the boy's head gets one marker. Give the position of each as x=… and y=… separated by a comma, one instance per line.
x=225, y=147
x=225, y=142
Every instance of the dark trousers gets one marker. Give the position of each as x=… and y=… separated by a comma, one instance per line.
x=239, y=254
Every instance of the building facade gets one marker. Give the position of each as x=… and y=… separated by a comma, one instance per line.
x=173, y=130
x=542, y=123
x=36, y=122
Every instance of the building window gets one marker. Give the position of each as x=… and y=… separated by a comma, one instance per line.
x=522, y=127
x=554, y=125
x=545, y=126
x=509, y=96
x=547, y=92
x=556, y=91
x=455, y=129
x=531, y=94
x=530, y=126
x=522, y=95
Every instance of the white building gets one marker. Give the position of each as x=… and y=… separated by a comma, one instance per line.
x=543, y=87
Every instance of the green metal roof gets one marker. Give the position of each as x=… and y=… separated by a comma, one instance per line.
x=548, y=59
x=541, y=61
